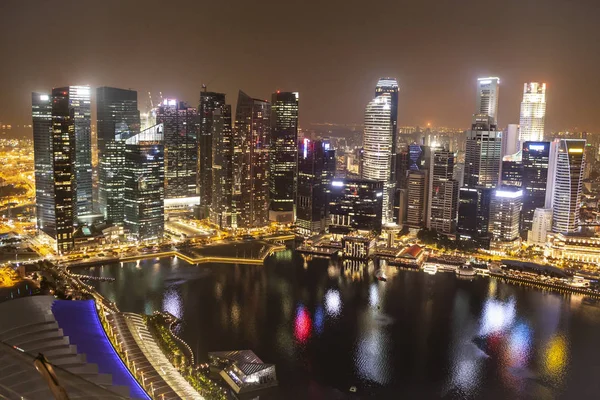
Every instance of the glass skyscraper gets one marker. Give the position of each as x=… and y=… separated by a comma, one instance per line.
x=251, y=145
x=181, y=128
x=222, y=207
x=443, y=193
x=533, y=112
x=117, y=114
x=144, y=176
x=487, y=97
x=535, y=160
x=483, y=153
x=283, y=156
x=209, y=103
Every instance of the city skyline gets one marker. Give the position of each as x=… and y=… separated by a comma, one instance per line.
x=437, y=92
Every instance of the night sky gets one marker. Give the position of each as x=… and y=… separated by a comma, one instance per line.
x=332, y=52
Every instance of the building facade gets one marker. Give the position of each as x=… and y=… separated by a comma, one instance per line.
x=483, y=153
x=355, y=204
x=505, y=210
x=283, y=156
x=443, y=193
x=567, y=167
x=144, y=214
x=251, y=142
x=541, y=225
x=487, y=97
x=222, y=206
x=210, y=102
x=181, y=127
x=535, y=161
x=417, y=200
x=316, y=169
x=533, y=112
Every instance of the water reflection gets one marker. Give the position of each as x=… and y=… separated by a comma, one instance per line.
x=302, y=325
x=172, y=302
x=333, y=303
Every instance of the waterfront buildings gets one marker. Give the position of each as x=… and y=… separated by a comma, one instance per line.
x=443, y=193
x=222, y=207
x=483, y=153
x=565, y=177
x=209, y=103
x=487, y=97
x=574, y=247
x=417, y=198
x=283, y=156
x=144, y=192
x=533, y=112
x=505, y=210
x=243, y=370
x=251, y=146
x=355, y=204
x=117, y=113
x=377, y=146
x=181, y=128
x=540, y=226
x=535, y=159
x=316, y=169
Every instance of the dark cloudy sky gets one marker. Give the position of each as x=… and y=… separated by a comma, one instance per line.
x=332, y=52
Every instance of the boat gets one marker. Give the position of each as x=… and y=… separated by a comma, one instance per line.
x=380, y=276
x=466, y=270
x=430, y=269
x=579, y=282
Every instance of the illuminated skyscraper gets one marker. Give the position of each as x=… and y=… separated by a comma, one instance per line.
x=251, y=146
x=209, y=103
x=283, y=156
x=443, y=193
x=390, y=86
x=144, y=175
x=222, y=207
x=377, y=145
x=355, y=205
x=487, y=97
x=504, y=214
x=483, y=154
x=535, y=156
x=510, y=140
x=565, y=181
x=417, y=200
x=117, y=113
x=316, y=169
x=181, y=127
x=533, y=112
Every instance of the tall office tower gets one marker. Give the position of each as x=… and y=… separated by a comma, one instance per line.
x=505, y=210
x=43, y=156
x=117, y=114
x=566, y=169
x=474, y=213
x=355, y=204
x=209, y=103
x=487, y=97
x=222, y=210
x=402, y=167
x=316, y=169
x=536, y=157
x=181, y=126
x=510, y=140
x=533, y=112
x=145, y=184
x=390, y=86
x=541, y=225
x=590, y=153
x=483, y=153
x=377, y=145
x=417, y=198
x=443, y=193
x=418, y=157
x=64, y=149
x=251, y=182
x=283, y=156
x=78, y=100
x=512, y=172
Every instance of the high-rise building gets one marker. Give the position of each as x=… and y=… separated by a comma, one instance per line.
x=64, y=148
x=474, y=213
x=541, y=225
x=566, y=174
x=181, y=127
x=510, y=140
x=316, y=169
x=533, y=112
x=390, y=86
x=505, y=210
x=417, y=198
x=222, y=207
x=251, y=141
x=487, y=97
x=355, y=204
x=209, y=103
x=443, y=193
x=283, y=156
x=41, y=108
x=144, y=175
x=512, y=172
x=483, y=153
x=535, y=160
x=418, y=157
x=117, y=114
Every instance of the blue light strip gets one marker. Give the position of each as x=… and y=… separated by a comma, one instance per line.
x=80, y=322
